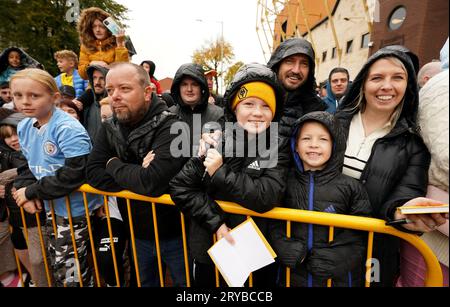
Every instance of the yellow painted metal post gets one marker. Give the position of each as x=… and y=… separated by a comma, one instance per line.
x=215, y=268
x=52, y=211
x=185, y=251
x=133, y=244
x=43, y=250
x=25, y=230
x=250, y=278
x=74, y=242
x=111, y=240
x=158, y=248
x=25, y=227
x=369, y=259
x=91, y=239
x=288, y=270
x=330, y=239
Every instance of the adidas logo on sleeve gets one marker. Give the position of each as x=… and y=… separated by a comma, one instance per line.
x=255, y=165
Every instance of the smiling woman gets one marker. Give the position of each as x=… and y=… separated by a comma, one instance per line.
x=384, y=150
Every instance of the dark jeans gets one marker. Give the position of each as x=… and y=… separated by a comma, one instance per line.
x=171, y=255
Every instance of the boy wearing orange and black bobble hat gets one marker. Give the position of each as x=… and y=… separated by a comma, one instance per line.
x=254, y=179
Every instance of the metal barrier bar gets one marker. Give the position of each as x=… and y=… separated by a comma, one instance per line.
x=22, y=213
x=43, y=250
x=25, y=232
x=19, y=266
x=74, y=242
x=52, y=211
x=91, y=239
x=371, y=225
x=250, y=278
x=111, y=241
x=330, y=239
x=369, y=256
x=133, y=244
x=216, y=270
x=158, y=248
x=185, y=251
x=288, y=269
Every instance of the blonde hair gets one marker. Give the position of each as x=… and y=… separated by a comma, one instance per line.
x=104, y=102
x=37, y=75
x=66, y=54
x=361, y=100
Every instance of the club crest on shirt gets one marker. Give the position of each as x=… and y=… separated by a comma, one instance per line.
x=50, y=148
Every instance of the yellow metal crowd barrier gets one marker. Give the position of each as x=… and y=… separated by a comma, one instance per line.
x=434, y=277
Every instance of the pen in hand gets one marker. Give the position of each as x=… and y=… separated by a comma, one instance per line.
x=399, y=222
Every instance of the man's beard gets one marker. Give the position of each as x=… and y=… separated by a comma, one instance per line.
x=127, y=118
x=99, y=90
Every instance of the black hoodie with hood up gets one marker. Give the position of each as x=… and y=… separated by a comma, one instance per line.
x=304, y=99
x=26, y=61
x=92, y=120
x=397, y=170
x=308, y=252
x=207, y=111
x=240, y=179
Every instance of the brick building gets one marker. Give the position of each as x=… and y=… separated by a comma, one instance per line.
x=346, y=32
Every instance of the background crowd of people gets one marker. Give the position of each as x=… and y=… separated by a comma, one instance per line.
x=361, y=147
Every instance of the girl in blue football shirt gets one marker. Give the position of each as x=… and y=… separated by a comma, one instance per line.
x=56, y=147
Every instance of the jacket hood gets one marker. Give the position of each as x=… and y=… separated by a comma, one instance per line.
x=195, y=72
x=412, y=56
x=90, y=72
x=295, y=46
x=152, y=67
x=411, y=100
x=253, y=73
x=330, y=93
x=26, y=61
x=336, y=162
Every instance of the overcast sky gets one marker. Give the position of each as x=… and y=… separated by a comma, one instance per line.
x=166, y=31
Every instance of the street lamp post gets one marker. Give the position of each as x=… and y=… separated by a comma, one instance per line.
x=221, y=52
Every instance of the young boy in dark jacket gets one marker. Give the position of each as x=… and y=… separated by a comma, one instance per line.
x=317, y=184
x=253, y=103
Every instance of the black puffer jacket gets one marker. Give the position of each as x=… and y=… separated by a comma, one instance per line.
x=303, y=100
x=131, y=145
x=243, y=180
x=202, y=113
x=328, y=191
x=397, y=170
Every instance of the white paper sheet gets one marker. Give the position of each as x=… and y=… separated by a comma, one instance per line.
x=249, y=253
